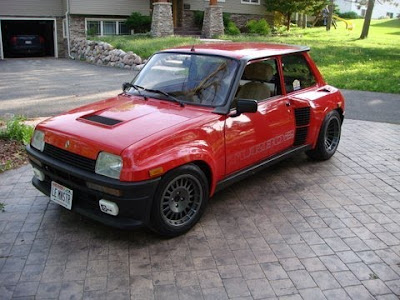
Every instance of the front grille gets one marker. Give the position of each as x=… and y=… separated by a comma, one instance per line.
x=70, y=158
x=102, y=120
x=301, y=136
x=302, y=116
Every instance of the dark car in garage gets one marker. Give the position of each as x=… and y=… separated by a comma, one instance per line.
x=27, y=44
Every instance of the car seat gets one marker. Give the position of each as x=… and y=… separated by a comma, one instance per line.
x=257, y=73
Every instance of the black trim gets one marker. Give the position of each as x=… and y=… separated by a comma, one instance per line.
x=259, y=166
x=134, y=203
x=102, y=120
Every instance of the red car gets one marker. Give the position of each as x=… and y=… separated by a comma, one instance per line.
x=193, y=121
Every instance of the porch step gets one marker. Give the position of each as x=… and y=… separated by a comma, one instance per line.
x=195, y=32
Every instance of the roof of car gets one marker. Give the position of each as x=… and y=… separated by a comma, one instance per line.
x=241, y=50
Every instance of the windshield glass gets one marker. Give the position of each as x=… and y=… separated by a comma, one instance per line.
x=191, y=78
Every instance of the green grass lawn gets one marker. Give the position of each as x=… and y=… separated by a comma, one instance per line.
x=344, y=60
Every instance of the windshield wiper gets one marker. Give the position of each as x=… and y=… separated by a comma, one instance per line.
x=127, y=85
x=169, y=96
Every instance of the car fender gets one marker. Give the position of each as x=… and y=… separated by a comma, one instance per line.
x=155, y=156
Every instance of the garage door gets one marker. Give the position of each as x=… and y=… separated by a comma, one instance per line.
x=27, y=38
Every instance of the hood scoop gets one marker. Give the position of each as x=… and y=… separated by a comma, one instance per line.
x=102, y=120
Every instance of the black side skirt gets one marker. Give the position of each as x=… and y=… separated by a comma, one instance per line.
x=259, y=166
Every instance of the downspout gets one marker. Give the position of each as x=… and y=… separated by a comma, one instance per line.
x=68, y=36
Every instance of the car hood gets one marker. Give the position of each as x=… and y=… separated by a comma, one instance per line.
x=114, y=124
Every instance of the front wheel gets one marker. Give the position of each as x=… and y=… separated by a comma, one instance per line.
x=179, y=201
x=328, y=139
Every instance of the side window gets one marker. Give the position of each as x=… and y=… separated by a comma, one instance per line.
x=260, y=81
x=296, y=73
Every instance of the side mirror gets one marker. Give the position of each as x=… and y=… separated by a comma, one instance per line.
x=126, y=86
x=245, y=106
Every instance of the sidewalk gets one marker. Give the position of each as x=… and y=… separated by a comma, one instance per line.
x=299, y=230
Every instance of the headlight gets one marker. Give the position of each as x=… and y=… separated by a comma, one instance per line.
x=38, y=140
x=109, y=165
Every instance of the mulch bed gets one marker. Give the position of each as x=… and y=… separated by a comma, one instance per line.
x=12, y=155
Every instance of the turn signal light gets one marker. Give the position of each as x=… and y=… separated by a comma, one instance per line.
x=104, y=189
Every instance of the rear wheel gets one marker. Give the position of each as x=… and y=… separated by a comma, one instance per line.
x=328, y=139
x=179, y=200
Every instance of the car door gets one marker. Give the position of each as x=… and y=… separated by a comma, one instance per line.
x=252, y=137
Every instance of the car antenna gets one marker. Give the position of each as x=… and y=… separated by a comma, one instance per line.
x=192, y=50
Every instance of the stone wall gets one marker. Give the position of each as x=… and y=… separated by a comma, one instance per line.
x=241, y=19
x=102, y=53
x=77, y=27
x=188, y=20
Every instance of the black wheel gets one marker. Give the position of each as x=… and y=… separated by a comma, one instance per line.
x=179, y=201
x=329, y=137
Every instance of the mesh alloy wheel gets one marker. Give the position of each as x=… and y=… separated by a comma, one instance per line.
x=181, y=200
x=332, y=135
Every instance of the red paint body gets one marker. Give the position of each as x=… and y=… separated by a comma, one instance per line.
x=157, y=133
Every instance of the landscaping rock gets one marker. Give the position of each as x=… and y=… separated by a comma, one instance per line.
x=102, y=53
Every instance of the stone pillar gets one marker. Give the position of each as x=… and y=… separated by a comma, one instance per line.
x=213, y=23
x=162, y=23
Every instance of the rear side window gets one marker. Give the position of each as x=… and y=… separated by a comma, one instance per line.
x=296, y=73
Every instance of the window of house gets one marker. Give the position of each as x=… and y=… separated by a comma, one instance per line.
x=260, y=81
x=106, y=27
x=93, y=28
x=297, y=73
x=251, y=2
x=123, y=29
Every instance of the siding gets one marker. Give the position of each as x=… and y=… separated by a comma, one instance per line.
x=230, y=6
x=31, y=8
x=109, y=7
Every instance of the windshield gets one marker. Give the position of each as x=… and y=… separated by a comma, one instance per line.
x=191, y=78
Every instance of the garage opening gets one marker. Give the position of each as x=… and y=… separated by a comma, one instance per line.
x=27, y=38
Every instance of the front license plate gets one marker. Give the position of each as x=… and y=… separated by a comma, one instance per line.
x=28, y=42
x=61, y=195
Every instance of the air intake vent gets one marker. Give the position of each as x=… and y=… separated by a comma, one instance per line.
x=102, y=120
x=302, y=116
x=70, y=158
x=301, y=136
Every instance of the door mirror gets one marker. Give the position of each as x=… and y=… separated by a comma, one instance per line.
x=245, y=106
x=126, y=86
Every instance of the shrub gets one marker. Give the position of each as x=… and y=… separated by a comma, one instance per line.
x=138, y=22
x=232, y=29
x=260, y=27
x=17, y=130
x=198, y=18
x=349, y=15
x=226, y=18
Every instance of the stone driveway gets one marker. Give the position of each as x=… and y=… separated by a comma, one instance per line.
x=299, y=230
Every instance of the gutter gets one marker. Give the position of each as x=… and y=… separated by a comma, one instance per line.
x=68, y=32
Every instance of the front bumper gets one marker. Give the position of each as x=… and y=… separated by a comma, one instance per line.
x=134, y=203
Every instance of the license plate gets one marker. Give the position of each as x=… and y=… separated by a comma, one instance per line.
x=28, y=42
x=61, y=195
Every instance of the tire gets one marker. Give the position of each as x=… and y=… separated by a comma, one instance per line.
x=179, y=201
x=328, y=138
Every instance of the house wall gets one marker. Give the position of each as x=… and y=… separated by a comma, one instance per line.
x=230, y=6
x=107, y=7
x=380, y=9
x=31, y=8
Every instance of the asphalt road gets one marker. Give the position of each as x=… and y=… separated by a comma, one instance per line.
x=37, y=87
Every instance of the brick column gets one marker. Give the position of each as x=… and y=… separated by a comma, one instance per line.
x=162, y=23
x=213, y=23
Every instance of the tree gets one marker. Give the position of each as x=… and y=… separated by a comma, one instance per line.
x=367, y=20
x=368, y=14
x=288, y=7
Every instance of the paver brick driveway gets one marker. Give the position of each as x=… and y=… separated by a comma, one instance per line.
x=299, y=230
